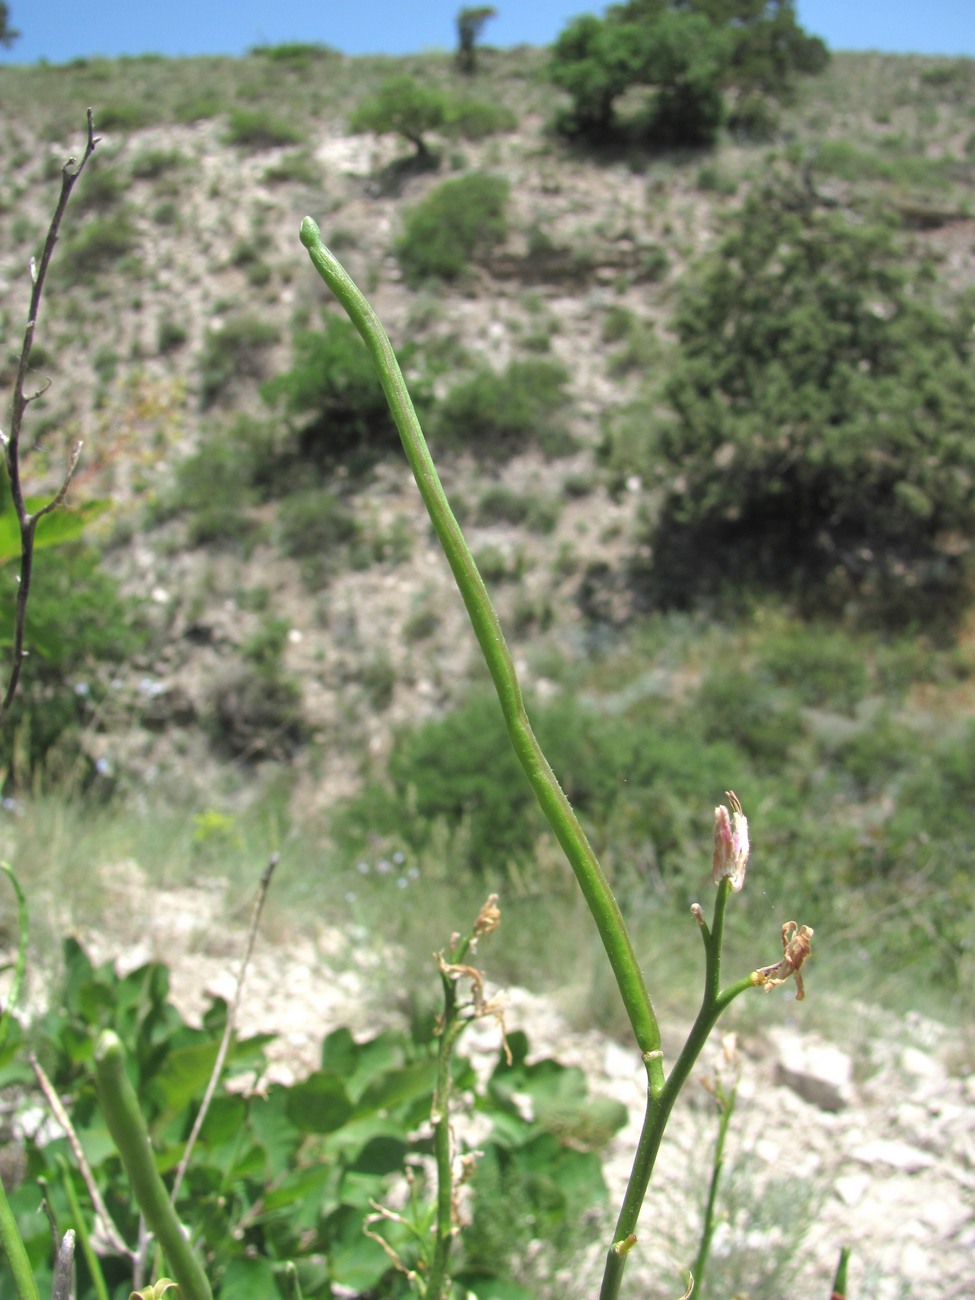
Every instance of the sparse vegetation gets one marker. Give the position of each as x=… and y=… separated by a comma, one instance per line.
x=774, y=344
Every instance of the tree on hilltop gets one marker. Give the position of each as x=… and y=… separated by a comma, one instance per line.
x=7, y=33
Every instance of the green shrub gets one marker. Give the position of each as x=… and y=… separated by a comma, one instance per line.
x=821, y=408
x=496, y=415
x=315, y=523
x=200, y=108
x=297, y=168
x=296, y=56
x=332, y=398
x=256, y=713
x=255, y=129
x=79, y=629
x=171, y=335
x=98, y=247
x=123, y=117
x=501, y=504
x=235, y=351
x=153, y=163
x=402, y=106
x=685, y=55
x=475, y=119
x=455, y=222
x=459, y=771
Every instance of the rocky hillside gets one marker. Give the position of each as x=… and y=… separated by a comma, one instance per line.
x=175, y=294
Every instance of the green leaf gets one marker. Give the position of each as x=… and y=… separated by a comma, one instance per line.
x=62, y=525
x=320, y=1104
x=249, y=1279
x=184, y=1075
x=399, y=1087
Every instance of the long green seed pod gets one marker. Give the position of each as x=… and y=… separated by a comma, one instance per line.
x=120, y=1107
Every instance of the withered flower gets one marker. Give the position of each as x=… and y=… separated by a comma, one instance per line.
x=730, y=843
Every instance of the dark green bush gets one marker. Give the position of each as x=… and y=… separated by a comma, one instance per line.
x=822, y=402
x=686, y=53
x=256, y=713
x=332, y=398
x=97, y=247
x=235, y=351
x=254, y=129
x=495, y=415
x=455, y=222
x=315, y=523
x=461, y=770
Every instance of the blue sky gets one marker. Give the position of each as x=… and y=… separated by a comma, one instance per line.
x=59, y=30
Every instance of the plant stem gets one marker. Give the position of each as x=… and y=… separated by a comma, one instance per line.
x=556, y=807
x=727, y=1104
x=12, y=1244
x=660, y=1102
x=120, y=1107
x=438, y=1279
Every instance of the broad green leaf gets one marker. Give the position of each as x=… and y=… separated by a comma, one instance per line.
x=399, y=1087
x=63, y=525
x=184, y=1075
x=320, y=1104
x=248, y=1279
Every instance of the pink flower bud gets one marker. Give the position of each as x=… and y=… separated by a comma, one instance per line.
x=730, y=843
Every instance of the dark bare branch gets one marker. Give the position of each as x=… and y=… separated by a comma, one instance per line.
x=11, y=443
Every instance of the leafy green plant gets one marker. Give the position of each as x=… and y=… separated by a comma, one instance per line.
x=454, y=223
x=494, y=415
x=286, y=1174
x=731, y=840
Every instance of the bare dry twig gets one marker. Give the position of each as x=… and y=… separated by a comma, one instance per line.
x=21, y=400
x=106, y=1224
x=229, y=1027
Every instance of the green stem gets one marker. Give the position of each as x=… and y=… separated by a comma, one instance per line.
x=660, y=1102
x=727, y=1104
x=12, y=1244
x=438, y=1280
x=839, y=1281
x=77, y=1218
x=556, y=807
x=120, y=1107
x=20, y=964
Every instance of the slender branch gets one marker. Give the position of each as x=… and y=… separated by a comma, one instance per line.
x=660, y=1104
x=104, y=1219
x=487, y=628
x=228, y=1028
x=11, y=443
